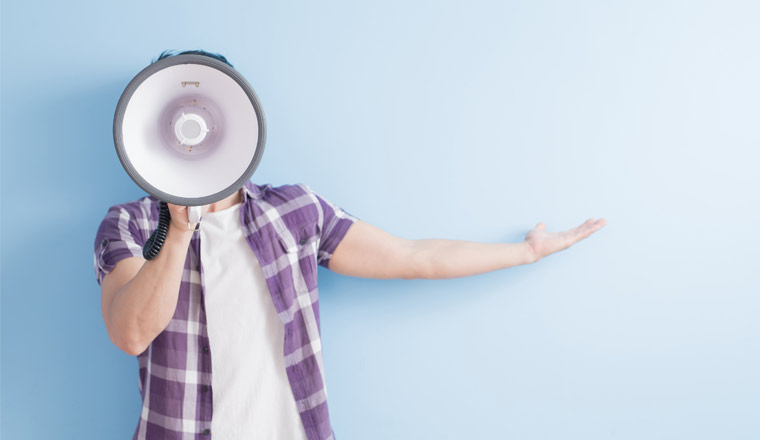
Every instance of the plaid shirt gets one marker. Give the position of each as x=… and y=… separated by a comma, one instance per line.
x=291, y=229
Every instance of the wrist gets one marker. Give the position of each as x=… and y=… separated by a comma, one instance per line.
x=177, y=234
x=531, y=255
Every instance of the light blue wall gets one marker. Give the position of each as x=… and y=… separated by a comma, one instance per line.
x=462, y=120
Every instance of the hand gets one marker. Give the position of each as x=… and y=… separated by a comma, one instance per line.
x=544, y=243
x=179, y=217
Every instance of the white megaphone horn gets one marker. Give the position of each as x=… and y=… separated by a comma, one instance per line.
x=189, y=130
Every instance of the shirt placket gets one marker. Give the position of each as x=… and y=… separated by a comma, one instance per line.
x=205, y=411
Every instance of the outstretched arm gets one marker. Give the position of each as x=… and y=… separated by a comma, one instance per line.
x=369, y=252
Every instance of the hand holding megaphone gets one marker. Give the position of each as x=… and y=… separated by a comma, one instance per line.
x=180, y=216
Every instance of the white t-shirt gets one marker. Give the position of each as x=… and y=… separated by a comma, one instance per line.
x=252, y=397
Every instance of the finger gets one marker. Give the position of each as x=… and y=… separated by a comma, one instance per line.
x=590, y=228
x=580, y=232
x=176, y=208
x=580, y=229
x=178, y=214
x=595, y=226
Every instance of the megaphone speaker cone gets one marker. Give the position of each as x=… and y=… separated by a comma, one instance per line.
x=189, y=130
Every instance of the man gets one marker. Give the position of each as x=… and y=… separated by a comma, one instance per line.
x=242, y=290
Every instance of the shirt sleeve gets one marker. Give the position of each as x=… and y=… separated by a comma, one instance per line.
x=335, y=224
x=118, y=237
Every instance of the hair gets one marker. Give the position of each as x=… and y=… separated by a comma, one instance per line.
x=169, y=53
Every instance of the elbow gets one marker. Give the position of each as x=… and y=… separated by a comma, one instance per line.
x=127, y=337
x=134, y=349
x=130, y=346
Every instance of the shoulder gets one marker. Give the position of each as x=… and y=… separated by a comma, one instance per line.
x=268, y=192
x=294, y=194
x=139, y=216
x=296, y=201
x=144, y=207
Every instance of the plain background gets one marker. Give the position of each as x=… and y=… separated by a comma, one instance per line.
x=461, y=120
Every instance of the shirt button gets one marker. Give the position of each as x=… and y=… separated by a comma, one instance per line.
x=303, y=241
x=207, y=431
x=205, y=388
x=205, y=348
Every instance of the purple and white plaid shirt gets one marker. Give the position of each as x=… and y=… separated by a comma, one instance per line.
x=291, y=229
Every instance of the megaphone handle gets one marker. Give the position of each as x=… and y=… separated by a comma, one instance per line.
x=194, y=214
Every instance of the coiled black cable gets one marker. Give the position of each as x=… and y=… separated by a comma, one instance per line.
x=157, y=238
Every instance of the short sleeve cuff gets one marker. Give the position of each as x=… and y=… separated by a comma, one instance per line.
x=116, y=240
x=341, y=223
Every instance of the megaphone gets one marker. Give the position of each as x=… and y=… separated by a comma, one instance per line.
x=189, y=130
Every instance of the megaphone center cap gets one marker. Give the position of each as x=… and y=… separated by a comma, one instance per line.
x=190, y=129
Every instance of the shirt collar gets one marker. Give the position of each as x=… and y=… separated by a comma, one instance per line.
x=253, y=191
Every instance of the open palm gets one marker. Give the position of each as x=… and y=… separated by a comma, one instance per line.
x=546, y=243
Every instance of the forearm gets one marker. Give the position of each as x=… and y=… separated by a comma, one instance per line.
x=144, y=306
x=438, y=259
